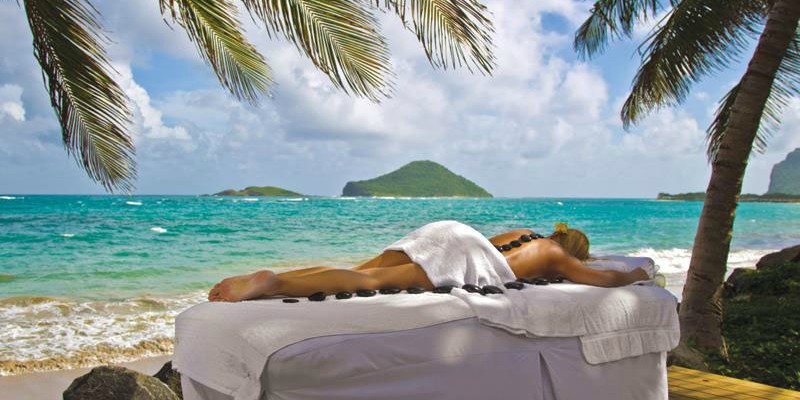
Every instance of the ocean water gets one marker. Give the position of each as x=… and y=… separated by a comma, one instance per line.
x=89, y=279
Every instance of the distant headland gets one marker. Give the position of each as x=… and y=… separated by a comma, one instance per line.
x=272, y=191
x=417, y=179
x=745, y=198
x=784, y=185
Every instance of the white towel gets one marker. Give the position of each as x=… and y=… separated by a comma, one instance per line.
x=613, y=323
x=225, y=346
x=452, y=253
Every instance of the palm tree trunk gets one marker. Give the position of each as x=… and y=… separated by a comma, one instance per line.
x=701, y=308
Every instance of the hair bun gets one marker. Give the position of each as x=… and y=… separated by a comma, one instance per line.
x=561, y=227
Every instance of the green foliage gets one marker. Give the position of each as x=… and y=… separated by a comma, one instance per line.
x=260, y=191
x=214, y=27
x=417, y=179
x=341, y=37
x=762, y=328
x=785, y=177
x=90, y=106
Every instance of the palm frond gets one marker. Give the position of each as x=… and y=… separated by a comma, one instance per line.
x=611, y=20
x=339, y=36
x=785, y=86
x=452, y=32
x=697, y=37
x=91, y=108
x=214, y=27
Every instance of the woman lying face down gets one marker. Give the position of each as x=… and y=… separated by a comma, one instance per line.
x=528, y=255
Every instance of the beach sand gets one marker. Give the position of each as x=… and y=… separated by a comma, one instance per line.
x=51, y=385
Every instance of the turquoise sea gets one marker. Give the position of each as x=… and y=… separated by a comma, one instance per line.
x=98, y=278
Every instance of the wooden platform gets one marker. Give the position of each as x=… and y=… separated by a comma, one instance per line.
x=686, y=384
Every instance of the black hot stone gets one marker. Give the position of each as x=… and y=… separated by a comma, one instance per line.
x=489, y=289
x=556, y=280
x=390, y=291
x=343, y=295
x=319, y=296
x=499, y=248
x=473, y=288
x=506, y=247
x=415, y=290
x=442, y=289
x=365, y=293
x=515, y=243
x=537, y=236
x=525, y=238
x=525, y=280
x=290, y=300
x=540, y=281
x=514, y=285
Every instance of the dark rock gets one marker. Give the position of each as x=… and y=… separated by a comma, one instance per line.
x=490, y=289
x=117, y=383
x=291, y=301
x=733, y=285
x=514, y=285
x=771, y=260
x=499, y=248
x=473, y=288
x=540, y=281
x=171, y=378
x=506, y=247
x=344, y=295
x=365, y=292
x=525, y=238
x=515, y=243
x=319, y=296
x=443, y=289
x=415, y=290
x=390, y=291
x=525, y=280
x=557, y=279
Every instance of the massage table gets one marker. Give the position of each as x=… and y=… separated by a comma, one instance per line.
x=461, y=358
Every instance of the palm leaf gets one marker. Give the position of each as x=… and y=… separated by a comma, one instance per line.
x=697, y=37
x=785, y=86
x=452, y=32
x=91, y=108
x=339, y=36
x=611, y=19
x=214, y=27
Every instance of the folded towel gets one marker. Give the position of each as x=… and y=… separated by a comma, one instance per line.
x=624, y=264
x=612, y=323
x=452, y=253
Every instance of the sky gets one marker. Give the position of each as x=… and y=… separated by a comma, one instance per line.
x=544, y=124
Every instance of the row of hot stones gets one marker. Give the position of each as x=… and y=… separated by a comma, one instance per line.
x=517, y=243
x=519, y=284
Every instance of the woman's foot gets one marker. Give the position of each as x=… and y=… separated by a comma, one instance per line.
x=244, y=287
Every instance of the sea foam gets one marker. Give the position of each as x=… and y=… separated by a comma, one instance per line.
x=158, y=229
x=133, y=203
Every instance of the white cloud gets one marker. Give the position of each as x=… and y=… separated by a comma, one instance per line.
x=11, y=103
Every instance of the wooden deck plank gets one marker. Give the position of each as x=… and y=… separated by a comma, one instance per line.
x=689, y=384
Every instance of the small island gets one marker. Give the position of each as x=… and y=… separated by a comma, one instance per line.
x=271, y=191
x=416, y=179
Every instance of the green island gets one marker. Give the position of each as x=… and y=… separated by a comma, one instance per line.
x=417, y=179
x=746, y=197
x=272, y=191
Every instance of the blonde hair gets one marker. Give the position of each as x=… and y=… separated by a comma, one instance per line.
x=573, y=241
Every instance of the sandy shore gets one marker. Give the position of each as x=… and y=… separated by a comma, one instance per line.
x=51, y=385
